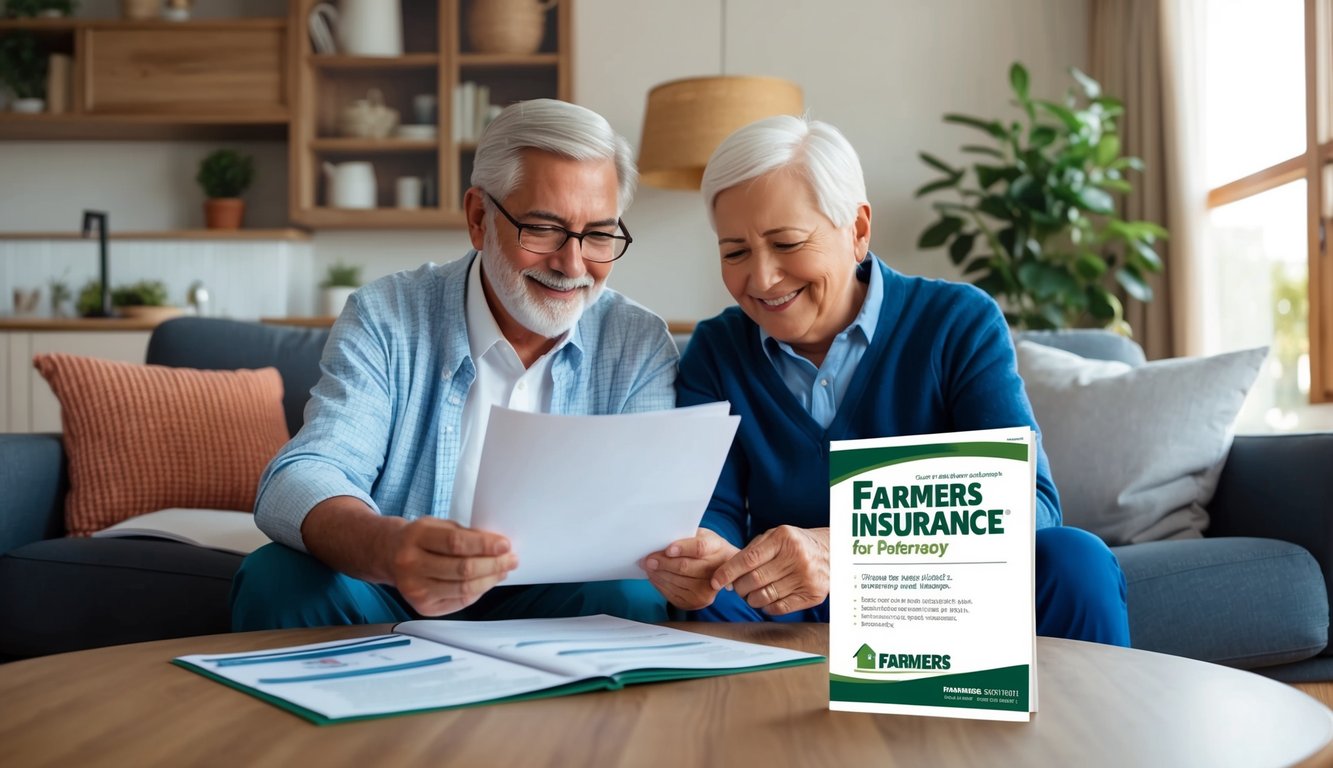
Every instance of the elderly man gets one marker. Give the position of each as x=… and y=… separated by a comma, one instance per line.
x=370, y=503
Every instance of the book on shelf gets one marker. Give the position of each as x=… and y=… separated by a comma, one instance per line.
x=432, y=664
x=473, y=110
x=931, y=575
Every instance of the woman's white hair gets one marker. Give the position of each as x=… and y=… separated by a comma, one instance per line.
x=815, y=150
x=552, y=126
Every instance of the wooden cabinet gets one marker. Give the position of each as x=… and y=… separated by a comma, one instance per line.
x=29, y=405
x=224, y=78
x=437, y=59
x=218, y=70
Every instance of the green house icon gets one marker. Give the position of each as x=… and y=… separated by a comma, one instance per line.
x=865, y=657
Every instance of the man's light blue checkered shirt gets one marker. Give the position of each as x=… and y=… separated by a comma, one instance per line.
x=384, y=422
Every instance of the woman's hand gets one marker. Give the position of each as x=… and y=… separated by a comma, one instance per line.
x=785, y=569
x=684, y=570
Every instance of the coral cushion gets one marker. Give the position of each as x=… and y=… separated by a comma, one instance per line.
x=140, y=438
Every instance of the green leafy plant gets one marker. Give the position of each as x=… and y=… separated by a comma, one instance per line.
x=19, y=9
x=1035, y=224
x=145, y=293
x=90, y=298
x=23, y=65
x=226, y=173
x=60, y=294
x=342, y=276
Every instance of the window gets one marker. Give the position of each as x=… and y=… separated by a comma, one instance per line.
x=1260, y=149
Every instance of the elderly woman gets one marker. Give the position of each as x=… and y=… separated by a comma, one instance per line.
x=829, y=343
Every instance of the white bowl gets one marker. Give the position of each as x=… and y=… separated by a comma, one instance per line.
x=414, y=131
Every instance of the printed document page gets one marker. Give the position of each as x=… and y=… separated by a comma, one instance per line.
x=585, y=498
x=598, y=645
x=375, y=675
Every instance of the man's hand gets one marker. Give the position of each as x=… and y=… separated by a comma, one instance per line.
x=785, y=569
x=683, y=571
x=440, y=567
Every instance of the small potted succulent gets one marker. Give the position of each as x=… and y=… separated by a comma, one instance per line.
x=23, y=69
x=225, y=175
x=340, y=282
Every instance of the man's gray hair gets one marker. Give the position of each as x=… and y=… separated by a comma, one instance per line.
x=552, y=126
x=815, y=150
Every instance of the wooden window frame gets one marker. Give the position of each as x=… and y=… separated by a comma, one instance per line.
x=1318, y=162
x=1315, y=165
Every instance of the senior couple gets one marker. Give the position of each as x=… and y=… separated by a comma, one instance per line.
x=370, y=503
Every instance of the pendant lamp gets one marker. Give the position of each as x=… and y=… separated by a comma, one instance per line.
x=687, y=119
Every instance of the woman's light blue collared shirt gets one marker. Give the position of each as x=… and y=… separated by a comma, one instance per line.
x=820, y=389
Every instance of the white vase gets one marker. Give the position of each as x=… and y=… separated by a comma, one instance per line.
x=28, y=106
x=332, y=300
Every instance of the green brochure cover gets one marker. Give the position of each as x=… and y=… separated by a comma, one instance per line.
x=931, y=608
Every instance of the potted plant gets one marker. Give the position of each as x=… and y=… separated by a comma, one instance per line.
x=23, y=69
x=1035, y=224
x=340, y=282
x=146, y=299
x=19, y=9
x=225, y=175
x=60, y=295
x=89, y=301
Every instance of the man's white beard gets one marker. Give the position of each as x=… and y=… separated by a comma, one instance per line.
x=540, y=314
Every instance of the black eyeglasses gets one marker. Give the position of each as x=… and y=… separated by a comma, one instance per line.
x=549, y=238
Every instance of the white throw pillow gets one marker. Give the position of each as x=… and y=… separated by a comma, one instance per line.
x=1136, y=452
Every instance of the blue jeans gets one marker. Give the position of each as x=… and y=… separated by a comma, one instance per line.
x=278, y=587
x=1080, y=592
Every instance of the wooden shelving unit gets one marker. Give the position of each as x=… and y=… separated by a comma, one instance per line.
x=289, y=234
x=341, y=145
x=258, y=78
x=209, y=79
x=382, y=218
x=503, y=61
x=406, y=61
x=437, y=57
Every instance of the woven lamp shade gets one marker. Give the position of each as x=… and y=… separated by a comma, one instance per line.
x=687, y=119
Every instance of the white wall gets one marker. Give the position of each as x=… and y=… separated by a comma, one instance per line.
x=884, y=71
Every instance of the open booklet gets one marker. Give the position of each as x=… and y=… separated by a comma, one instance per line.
x=431, y=664
x=221, y=529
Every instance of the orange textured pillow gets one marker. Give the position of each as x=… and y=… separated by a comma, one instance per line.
x=140, y=438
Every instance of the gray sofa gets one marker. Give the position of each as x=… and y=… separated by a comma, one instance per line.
x=1252, y=594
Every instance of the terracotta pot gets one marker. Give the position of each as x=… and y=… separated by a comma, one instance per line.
x=224, y=212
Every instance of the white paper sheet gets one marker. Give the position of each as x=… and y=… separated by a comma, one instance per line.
x=226, y=530
x=584, y=646
x=584, y=498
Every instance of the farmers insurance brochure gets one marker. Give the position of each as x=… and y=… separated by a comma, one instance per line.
x=931, y=575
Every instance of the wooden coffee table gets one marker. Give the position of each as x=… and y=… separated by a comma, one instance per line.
x=1100, y=706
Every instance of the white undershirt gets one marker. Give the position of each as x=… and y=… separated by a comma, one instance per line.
x=501, y=380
